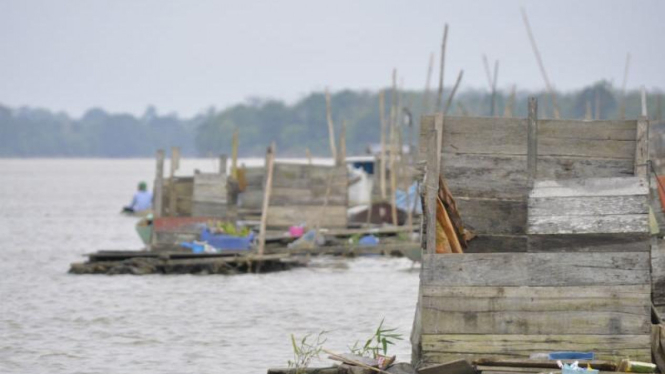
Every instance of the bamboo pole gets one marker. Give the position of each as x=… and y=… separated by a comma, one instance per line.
x=158, y=187
x=270, y=160
x=393, y=140
x=234, y=155
x=427, y=84
x=342, y=144
x=509, y=111
x=622, y=107
x=494, y=82
x=539, y=59
x=331, y=127
x=452, y=93
x=173, y=197
x=382, y=161
x=439, y=99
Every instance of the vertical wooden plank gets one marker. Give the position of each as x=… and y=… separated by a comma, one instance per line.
x=270, y=161
x=222, y=164
x=642, y=148
x=158, y=194
x=234, y=155
x=384, y=125
x=532, y=140
x=173, y=196
x=432, y=181
x=331, y=127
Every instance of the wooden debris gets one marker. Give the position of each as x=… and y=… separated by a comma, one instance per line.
x=452, y=367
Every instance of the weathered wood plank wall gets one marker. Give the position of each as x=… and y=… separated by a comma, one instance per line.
x=593, y=296
x=484, y=161
x=299, y=193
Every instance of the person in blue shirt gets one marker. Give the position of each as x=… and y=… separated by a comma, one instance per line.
x=141, y=201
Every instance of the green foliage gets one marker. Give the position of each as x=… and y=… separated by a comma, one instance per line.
x=378, y=343
x=305, y=350
x=228, y=228
x=29, y=132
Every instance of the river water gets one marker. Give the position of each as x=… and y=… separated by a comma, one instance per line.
x=53, y=211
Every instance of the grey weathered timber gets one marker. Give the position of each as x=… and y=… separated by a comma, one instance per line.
x=588, y=205
x=536, y=310
x=593, y=130
x=569, y=167
x=209, y=196
x=532, y=141
x=642, y=148
x=158, y=195
x=493, y=216
x=439, y=348
x=452, y=367
x=285, y=216
x=626, y=223
x=489, y=176
x=658, y=272
x=484, y=243
x=620, y=186
x=536, y=269
x=621, y=242
x=432, y=184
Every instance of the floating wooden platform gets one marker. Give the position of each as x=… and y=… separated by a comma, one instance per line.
x=226, y=262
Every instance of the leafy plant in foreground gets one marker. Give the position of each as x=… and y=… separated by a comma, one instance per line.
x=305, y=350
x=378, y=343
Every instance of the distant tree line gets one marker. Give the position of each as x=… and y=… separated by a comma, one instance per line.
x=27, y=132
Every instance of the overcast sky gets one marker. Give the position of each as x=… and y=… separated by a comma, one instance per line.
x=185, y=56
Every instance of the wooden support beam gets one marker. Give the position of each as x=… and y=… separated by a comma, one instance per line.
x=270, y=161
x=331, y=127
x=158, y=187
x=173, y=196
x=382, y=160
x=439, y=99
x=532, y=140
x=234, y=155
x=432, y=181
x=642, y=148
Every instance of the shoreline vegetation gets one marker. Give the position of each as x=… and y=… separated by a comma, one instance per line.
x=27, y=132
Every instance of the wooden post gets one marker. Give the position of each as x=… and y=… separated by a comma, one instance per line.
x=642, y=141
x=270, y=161
x=342, y=144
x=432, y=181
x=173, y=196
x=642, y=148
x=532, y=141
x=234, y=155
x=452, y=93
x=622, y=106
x=439, y=99
x=331, y=127
x=158, y=187
x=222, y=164
x=384, y=125
x=555, y=106
x=393, y=150
x=427, y=84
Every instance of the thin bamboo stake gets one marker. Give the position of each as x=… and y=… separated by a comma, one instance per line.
x=509, y=111
x=342, y=143
x=622, y=107
x=270, y=160
x=331, y=127
x=643, y=100
x=539, y=59
x=452, y=93
x=439, y=99
x=234, y=155
x=382, y=160
x=393, y=140
x=427, y=84
x=496, y=75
